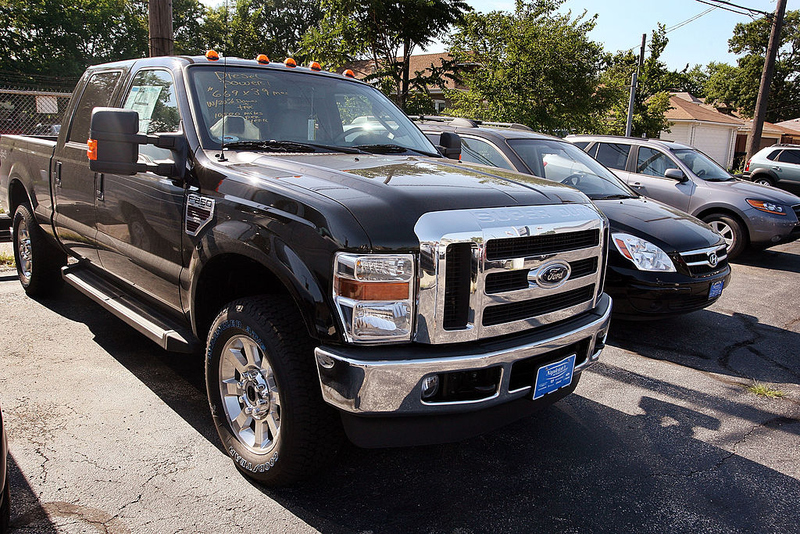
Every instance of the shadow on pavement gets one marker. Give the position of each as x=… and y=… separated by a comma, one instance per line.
x=737, y=345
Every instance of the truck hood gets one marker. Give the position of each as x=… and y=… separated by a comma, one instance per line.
x=388, y=194
x=666, y=227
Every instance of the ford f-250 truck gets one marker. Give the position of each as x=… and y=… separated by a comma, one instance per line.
x=341, y=272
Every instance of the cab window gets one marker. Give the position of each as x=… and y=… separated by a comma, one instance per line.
x=98, y=92
x=152, y=95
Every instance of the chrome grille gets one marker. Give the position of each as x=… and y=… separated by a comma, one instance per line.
x=699, y=262
x=483, y=273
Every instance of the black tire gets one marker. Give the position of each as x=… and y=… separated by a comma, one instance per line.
x=298, y=432
x=763, y=179
x=5, y=510
x=38, y=260
x=731, y=229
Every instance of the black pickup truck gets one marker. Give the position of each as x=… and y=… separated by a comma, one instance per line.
x=339, y=271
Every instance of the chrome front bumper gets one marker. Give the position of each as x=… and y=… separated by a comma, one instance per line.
x=388, y=380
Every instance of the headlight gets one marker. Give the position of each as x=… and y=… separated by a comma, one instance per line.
x=374, y=295
x=767, y=206
x=644, y=255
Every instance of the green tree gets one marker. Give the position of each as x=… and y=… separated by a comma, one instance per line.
x=253, y=27
x=738, y=86
x=387, y=33
x=652, y=94
x=534, y=66
x=62, y=37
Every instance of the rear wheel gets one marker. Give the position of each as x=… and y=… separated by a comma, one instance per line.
x=264, y=392
x=762, y=179
x=38, y=261
x=731, y=230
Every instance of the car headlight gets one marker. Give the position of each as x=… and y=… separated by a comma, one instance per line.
x=767, y=206
x=374, y=295
x=644, y=255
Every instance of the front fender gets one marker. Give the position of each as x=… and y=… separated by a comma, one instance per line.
x=296, y=271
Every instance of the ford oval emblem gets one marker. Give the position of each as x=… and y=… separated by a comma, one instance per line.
x=550, y=275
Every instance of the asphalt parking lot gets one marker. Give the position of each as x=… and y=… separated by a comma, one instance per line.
x=110, y=434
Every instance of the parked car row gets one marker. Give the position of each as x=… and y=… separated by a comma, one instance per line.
x=664, y=261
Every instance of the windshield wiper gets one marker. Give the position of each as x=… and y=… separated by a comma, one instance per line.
x=391, y=149
x=290, y=146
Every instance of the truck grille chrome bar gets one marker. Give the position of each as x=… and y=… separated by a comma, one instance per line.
x=497, y=271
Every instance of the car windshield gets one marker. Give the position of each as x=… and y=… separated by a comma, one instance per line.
x=563, y=162
x=701, y=165
x=278, y=110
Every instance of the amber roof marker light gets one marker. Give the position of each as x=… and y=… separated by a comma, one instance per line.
x=262, y=59
x=349, y=73
x=212, y=55
x=315, y=66
x=289, y=62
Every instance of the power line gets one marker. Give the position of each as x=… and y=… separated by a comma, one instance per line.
x=747, y=11
x=682, y=23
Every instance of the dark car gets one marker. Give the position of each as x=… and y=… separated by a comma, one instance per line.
x=663, y=261
x=5, y=495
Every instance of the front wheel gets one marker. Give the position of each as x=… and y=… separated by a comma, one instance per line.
x=264, y=392
x=731, y=230
x=38, y=261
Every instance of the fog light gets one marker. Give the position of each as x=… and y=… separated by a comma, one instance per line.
x=430, y=386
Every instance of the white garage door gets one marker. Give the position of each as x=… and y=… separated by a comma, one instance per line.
x=716, y=142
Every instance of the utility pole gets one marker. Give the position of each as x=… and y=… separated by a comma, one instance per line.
x=634, y=82
x=161, y=36
x=754, y=144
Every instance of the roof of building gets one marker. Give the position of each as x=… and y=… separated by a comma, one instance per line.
x=417, y=63
x=686, y=107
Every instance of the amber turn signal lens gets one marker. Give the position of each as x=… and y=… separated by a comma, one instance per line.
x=355, y=290
x=92, y=152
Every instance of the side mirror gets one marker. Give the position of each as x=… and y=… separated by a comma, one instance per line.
x=675, y=174
x=450, y=145
x=114, y=145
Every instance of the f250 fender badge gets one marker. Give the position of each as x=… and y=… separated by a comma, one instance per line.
x=199, y=212
x=550, y=275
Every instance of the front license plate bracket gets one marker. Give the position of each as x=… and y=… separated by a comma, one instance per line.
x=554, y=376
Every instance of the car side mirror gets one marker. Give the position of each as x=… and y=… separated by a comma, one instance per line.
x=675, y=174
x=114, y=145
x=450, y=145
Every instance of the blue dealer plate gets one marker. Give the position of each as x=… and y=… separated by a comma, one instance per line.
x=716, y=289
x=553, y=376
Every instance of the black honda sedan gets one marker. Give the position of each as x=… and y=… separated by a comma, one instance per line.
x=661, y=262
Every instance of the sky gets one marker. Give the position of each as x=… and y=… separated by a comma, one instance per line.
x=621, y=23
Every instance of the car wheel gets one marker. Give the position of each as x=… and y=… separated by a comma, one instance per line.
x=731, y=230
x=763, y=180
x=38, y=261
x=264, y=392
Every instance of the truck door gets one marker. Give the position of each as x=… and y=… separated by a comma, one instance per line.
x=75, y=187
x=140, y=217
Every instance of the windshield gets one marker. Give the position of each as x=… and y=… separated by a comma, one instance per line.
x=563, y=162
x=701, y=165
x=264, y=107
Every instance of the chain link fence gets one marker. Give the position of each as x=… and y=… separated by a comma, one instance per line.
x=30, y=112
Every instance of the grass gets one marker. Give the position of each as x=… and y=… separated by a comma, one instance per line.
x=764, y=390
x=6, y=259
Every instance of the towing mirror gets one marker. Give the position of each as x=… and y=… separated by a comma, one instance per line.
x=450, y=145
x=114, y=145
x=675, y=174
